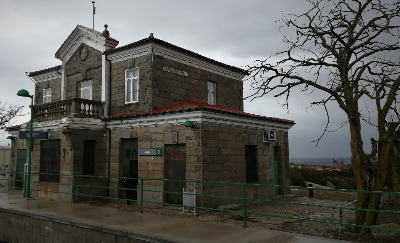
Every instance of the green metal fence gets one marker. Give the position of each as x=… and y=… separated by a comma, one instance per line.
x=318, y=210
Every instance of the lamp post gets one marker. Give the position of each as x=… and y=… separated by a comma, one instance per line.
x=25, y=93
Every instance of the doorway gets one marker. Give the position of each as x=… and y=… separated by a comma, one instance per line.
x=128, y=169
x=175, y=170
x=277, y=170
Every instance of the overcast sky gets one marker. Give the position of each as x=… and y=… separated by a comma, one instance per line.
x=235, y=32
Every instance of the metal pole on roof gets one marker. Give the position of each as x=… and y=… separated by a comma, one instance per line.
x=94, y=11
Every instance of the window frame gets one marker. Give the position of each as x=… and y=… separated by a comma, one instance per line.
x=82, y=89
x=132, y=97
x=212, y=93
x=46, y=97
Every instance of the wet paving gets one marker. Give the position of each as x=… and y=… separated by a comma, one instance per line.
x=146, y=224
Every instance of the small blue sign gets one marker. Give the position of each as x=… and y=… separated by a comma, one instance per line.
x=150, y=152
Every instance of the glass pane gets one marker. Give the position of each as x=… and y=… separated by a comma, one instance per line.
x=135, y=90
x=129, y=73
x=136, y=72
x=128, y=90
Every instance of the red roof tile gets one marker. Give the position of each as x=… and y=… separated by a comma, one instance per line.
x=13, y=128
x=188, y=105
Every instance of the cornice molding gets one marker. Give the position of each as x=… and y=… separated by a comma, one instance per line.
x=201, y=117
x=47, y=76
x=129, y=53
x=170, y=54
x=69, y=123
x=195, y=62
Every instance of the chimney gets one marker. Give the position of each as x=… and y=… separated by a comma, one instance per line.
x=106, y=33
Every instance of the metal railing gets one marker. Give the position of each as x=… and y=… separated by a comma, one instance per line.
x=84, y=187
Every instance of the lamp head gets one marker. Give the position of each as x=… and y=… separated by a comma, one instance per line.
x=10, y=137
x=23, y=93
x=188, y=123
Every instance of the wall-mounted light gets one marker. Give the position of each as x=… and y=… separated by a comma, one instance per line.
x=11, y=137
x=188, y=123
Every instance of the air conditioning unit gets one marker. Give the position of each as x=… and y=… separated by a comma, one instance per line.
x=269, y=135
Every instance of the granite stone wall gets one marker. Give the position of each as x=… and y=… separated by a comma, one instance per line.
x=159, y=86
x=54, y=85
x=77, y=70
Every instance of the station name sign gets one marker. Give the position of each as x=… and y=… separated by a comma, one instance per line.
x=35, y=135
x=175, y=71
x=150, y=152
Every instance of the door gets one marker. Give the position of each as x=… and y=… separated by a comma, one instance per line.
x=251, y=163
x=175, y=168
x=277, y=169
x=19, y=175
x=128, y=169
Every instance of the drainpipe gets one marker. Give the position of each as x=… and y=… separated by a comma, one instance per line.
x=108, y=129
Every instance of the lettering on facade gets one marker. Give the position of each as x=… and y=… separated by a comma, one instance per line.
x=175, y=71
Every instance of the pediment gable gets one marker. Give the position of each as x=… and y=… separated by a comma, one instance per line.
x=84, y=35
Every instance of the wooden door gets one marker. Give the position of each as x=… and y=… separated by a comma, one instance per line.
x=175, y=168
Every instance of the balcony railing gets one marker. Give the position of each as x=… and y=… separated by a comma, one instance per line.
x=74, y=107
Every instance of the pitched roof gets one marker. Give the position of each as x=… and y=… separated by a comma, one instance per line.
x=151, y=39
x=194, y=105
x=30, y=74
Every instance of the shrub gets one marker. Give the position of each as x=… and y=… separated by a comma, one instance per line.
x=297, y=180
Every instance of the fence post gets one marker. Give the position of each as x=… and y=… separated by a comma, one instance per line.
x=73, y=188
x=244, y=207
x=341, y=219
x=141, y=195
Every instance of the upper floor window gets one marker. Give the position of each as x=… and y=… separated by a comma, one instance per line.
x=85, y=89
x=212, y=93
x=131, y=85
x=46, y=96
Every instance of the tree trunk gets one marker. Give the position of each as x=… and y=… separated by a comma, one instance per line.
x=396, y=172
x=370, y=177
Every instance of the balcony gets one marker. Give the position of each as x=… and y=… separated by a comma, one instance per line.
x=75, y=107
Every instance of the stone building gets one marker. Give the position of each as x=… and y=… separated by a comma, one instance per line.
x=151, y=110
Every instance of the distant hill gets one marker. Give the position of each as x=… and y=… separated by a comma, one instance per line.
x=317, y=161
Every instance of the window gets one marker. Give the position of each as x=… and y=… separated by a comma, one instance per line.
x=50, y=161
x=46, y=96
x=251, y=163
x=132, y=85
x=89, y=157
x=85, y=89
x=212, y=93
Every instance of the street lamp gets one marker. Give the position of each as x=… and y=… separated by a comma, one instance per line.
x=25, y=93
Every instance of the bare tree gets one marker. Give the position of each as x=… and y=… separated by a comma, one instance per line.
x=8, y=113
x=351, y=48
